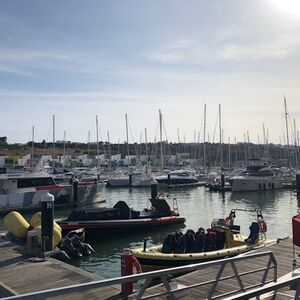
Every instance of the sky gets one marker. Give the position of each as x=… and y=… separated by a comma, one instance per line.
x=78, y=59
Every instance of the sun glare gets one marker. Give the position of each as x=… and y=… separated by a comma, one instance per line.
x=288, y=6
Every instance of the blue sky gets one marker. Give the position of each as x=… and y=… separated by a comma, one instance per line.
x=79, y=59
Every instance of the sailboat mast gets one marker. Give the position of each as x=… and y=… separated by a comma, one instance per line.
x=161, y=143
x=32, y=146
x=287, y=131
x=64, y=148
x=53, y=127
x=220, y=130
x=89, y=140
x=204, y=137
x=126, y=120
x=109, y=152
x=146, y=143
x=97, y=136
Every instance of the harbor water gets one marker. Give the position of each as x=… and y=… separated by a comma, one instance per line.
x=199, y=206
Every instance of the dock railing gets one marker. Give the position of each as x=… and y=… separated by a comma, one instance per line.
x=175, y=291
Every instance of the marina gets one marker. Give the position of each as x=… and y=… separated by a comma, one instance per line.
x=149, y=150
x=50, y=278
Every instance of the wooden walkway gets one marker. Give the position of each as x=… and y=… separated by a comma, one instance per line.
x=283, y=254
x=20, y=275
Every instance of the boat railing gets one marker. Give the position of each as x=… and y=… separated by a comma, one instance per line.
x=173, y=289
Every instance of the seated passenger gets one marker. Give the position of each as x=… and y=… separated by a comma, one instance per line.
x=210, y=240
x=190, y=240
x=199, y=242
x=254, y=232
x=180, y=243
x=169, y=243
x=221, y=239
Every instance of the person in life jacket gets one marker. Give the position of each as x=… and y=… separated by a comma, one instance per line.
x=169, y=244
x=211, y=240
x=190, y=240
x=180, y=243
x=199, y=241
x=254, y=233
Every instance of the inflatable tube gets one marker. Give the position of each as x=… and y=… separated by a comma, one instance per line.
x=56, y=236
x=36, y=221
x=16, y=224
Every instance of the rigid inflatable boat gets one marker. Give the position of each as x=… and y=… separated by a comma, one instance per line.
x=121, y=218
x=233, y=244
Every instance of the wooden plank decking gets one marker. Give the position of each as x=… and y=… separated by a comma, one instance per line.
x=283, y=254
x=19, y=275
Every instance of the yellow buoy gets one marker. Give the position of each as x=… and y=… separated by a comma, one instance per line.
x=16, y=224
x=56, y=235
x=36, y=221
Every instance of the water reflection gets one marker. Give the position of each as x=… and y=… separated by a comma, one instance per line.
x=255, y=200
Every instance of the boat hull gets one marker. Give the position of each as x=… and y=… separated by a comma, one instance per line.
x=241, y=184
x=105, y=227
x=30, y=198
x=156, y=260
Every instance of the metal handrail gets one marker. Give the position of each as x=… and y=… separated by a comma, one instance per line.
x=163, y=274
x=268, y=288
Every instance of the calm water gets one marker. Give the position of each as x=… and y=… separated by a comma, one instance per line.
x=199, y=206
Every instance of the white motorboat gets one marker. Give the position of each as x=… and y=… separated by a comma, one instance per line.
x=23, y=191
x=178, y=177
x=256, y=178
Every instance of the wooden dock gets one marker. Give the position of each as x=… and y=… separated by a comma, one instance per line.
x=20, y=275
x=283, y=252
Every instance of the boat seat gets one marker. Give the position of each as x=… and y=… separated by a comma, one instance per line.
x=124, y=210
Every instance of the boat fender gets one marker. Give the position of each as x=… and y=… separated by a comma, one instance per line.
x=16, y=224
x=262, y=226
x=36, y=220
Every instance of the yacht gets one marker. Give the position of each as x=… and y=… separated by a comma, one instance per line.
x=256, y=178
x=178, y=177
x=23, y=191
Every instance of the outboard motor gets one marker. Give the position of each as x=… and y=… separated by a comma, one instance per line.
x=254, y=232
x=73, y=244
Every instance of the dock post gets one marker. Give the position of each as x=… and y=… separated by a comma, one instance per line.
x=153, y=189
x=75, y=192
x=222, y=182
x=169, y=179
x=47, y=209
x=130, y=180
x=298, y=183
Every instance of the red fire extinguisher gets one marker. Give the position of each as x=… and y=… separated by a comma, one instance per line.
x=128, y=261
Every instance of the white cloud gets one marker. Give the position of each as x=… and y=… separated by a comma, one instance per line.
x=280, y=47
